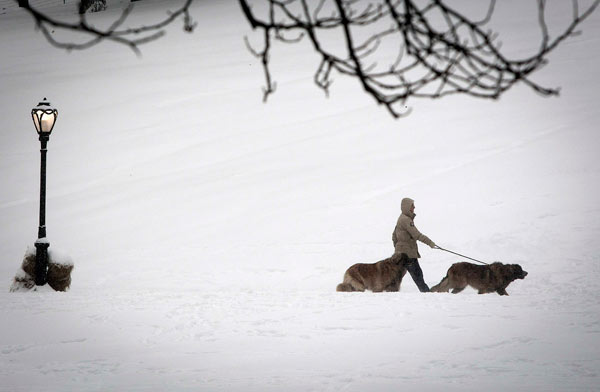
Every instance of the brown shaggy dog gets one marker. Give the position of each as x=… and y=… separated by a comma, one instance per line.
x=485, y=278
x=385, y=275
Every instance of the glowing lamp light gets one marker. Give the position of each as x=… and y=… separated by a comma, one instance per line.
x=44, y=117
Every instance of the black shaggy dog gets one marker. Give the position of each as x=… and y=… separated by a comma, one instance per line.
x=485, y=278
x=385, y=275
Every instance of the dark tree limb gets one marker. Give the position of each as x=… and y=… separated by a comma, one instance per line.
x=433, y=59
x=395, y=49
x=131, y=37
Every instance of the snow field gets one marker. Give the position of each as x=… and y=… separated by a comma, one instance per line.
x=208, y=230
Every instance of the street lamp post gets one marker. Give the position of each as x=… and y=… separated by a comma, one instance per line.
x=44, y=118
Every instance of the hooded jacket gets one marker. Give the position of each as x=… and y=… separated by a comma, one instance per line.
x=406, y=235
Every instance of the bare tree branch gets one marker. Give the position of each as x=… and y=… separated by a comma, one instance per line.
x=432, y=60
x=395, y=49
x=131, y=37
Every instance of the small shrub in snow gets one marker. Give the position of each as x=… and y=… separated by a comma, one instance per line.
x=22, y=281
x=58, y=275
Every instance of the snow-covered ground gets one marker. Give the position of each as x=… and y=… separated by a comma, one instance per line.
x=209, y=230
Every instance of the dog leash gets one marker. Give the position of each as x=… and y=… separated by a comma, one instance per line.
x=458, y=254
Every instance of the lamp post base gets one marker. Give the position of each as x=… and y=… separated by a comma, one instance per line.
x=41, y=261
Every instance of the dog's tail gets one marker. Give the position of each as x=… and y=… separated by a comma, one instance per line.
x=441, y=287
x=344, y=287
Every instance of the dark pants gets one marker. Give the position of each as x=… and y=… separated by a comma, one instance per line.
x=414, y=269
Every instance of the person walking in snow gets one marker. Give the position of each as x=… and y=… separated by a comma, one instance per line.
x=405, y=237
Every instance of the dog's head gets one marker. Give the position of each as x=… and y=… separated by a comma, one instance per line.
x=521, y=273
x=400, y=259
x=517, y=272
x=509, y=272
